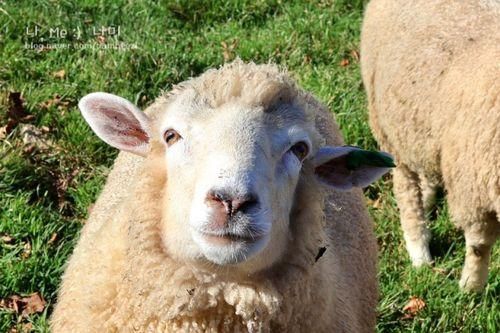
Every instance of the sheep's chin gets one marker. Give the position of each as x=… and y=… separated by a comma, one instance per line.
x=228, y=250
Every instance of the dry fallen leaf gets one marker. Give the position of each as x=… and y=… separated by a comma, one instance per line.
x=101, y=39
x=53, y=238
x=21, y=328
x=33, y=303
x=56, y=101
x=33, y=138
x=62, y=182
x=16, y=106
x=414, y=305
x=16, y=112
x=3, y=132
x=25, y=306
x=344, y=62
x=10, y=303
x=26, y=250
x=60, y=74
x=442, y=271
x=6, y=238
x=26, y=327
x=376, y=204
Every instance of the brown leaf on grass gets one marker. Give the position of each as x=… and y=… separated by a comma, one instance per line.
x=16, y=106
x=16, y=112
x=3, y=132
x=53, y=238
x=6, y=239
x=56, y=100
x=33, y=303
x=414, y=305
x=10, y=303
x=60, y=74
x=62, y=182
x=101, y=39
x=21, y=327
x=26, y=327
x=376, y=204
x=26, y=250
x=34, y=139
x=441, y=271
x=344, y=62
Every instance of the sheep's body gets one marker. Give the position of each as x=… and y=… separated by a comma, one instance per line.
x=121, y=279
x=432, y=74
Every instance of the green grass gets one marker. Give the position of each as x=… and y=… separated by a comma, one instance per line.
x=48, y=191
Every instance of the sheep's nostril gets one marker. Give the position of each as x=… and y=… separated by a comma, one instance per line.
x=232, y=205
x=244, y=204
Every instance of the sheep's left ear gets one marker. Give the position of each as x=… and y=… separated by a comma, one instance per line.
x=346, y=167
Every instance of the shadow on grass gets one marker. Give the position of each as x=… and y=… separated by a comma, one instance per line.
x=446, y=238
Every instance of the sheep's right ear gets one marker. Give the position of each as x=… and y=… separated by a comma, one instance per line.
x=117, y=122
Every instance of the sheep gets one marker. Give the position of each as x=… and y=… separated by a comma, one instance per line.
x=212, y=218
x=432, y=77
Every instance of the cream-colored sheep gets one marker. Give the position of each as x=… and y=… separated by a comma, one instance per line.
x=216, y=221
x=432, y=73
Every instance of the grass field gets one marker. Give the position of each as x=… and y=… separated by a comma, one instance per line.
x=50, y=177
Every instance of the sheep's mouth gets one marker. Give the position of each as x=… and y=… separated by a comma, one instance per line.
x=227, y=238
x=225, y=247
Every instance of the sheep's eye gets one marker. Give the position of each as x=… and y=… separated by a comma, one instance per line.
x=171, y=136
x=300, y=149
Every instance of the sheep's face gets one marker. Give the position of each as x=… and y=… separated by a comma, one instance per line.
x=232, y=173
x=232, y=163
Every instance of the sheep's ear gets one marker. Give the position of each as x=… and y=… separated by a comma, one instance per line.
x=346, y=167
x=117, y=122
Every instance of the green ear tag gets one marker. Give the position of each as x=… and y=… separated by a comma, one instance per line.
x=358, y=158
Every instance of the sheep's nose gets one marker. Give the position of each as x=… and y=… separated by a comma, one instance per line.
x=232, y=204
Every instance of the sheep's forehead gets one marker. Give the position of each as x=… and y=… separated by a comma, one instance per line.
x=188, y=110
x=263, y=88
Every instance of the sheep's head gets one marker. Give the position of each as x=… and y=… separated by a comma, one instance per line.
x=236, y=142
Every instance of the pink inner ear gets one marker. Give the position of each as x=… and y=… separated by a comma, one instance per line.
x=123, y=125
x=334, y=171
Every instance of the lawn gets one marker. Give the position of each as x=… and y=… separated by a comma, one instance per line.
x=53, y=167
